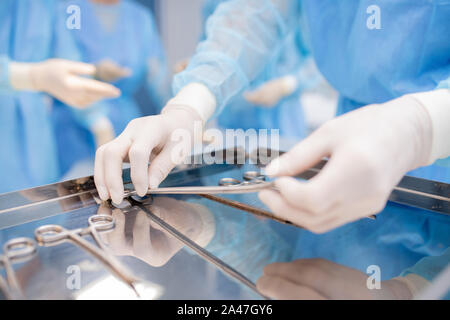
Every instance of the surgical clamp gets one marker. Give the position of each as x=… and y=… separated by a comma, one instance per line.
x=51, y=235
x=15, y=251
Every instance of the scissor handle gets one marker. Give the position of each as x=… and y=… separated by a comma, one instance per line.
x=50, y=233
x=254, y=176
x=250, y=177
x=102, y=222
x=229, y=182
x=19, y=249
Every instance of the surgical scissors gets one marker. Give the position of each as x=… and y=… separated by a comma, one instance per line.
x=253, y=182
x=15, y=251
x=52, y=235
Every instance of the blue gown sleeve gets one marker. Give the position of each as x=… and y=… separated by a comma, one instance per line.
x=444, y=84
x=429, y=267
x=240, y=38
x=157, y=71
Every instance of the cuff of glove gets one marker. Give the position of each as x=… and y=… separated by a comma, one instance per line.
x=290, y=84
x=20, y=76
x=437, y=104
x=197, y=97
x=414, y=283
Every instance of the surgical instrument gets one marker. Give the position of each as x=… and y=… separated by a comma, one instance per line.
x=51, y=235
x=253, y=182
x=15, y=251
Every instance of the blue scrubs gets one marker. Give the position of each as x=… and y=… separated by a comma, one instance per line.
x=131, y=41
x=287, y=115
x=28, y=156
x=366, y=66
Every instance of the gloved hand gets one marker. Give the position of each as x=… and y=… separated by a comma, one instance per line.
x=164, y=139
x=148, y=138
x=109, y=71
x=63, y=80
x=369, y=151
x=271, y=92
x=322, y=279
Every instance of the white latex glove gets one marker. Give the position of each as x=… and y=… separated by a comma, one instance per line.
x=63, y=80
x=142, y=140
x=154, y=138
x=320, y=279
x=271, y=92
x=370, y=150
x=109, y=71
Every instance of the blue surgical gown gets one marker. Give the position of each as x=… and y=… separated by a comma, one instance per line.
x=132, y=42
x=287, y=115
x=366, y=66
x=28, y=157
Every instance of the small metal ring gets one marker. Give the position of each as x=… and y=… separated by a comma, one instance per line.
x=19, y=248
x=228, y=182
x=49, y=234
x=254, y=175
x=102, y=222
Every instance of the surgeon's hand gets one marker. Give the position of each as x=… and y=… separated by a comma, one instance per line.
x=369, y=151
x=165, y=139
x=109, y=71
x=63, y=80
x=271, y=92
x=318, y=279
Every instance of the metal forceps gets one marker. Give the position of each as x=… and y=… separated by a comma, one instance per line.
x=253, y=182
x=15, y=251
x=52, y=235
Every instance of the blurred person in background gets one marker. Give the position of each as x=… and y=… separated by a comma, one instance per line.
x=121, y=39
x=272, y=99
x=28, y=80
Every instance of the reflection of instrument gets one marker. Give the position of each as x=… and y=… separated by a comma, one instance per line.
x=52, y=235
x=253, y=182
x=71, y=203
x=15, y=251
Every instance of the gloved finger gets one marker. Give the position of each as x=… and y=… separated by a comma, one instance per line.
x=279, y=206
x=114, y=154
x=301, y=157
x=253, y=96
x=170, y=156
x=282, y=289
x=307, y=196
x=81, y=68
x=139, y=156
x=339, y=216
x=99, y=90
x=99, y=176
x=122, y=72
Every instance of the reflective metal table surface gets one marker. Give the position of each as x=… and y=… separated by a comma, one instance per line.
x=201, y=246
